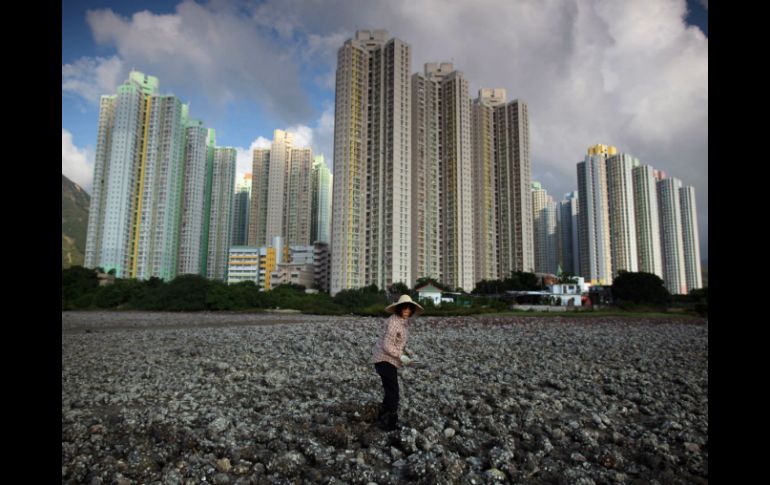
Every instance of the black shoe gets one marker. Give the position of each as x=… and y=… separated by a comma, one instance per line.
x=388, y=422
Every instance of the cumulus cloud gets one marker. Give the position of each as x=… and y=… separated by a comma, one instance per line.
x=209, y=49
x=90, y=77
x=76, y=163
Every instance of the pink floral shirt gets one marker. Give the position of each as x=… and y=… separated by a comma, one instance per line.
x=391, y=343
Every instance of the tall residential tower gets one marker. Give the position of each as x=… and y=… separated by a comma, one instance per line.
x=371, y=220
x=594, y=240
x=442, y=146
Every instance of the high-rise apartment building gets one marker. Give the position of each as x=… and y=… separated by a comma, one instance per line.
x=568, y=228
x=161, y=204
x=259, y=191
x=514, y=178
x=371, y=220
x=193, y=201
x=544, y=220
x=594, y=227
x=485, y=195
x=442, y=144
x=220, y=216
x=136, y=206
x=690, y=239
x=298, y=204
x=280, y=154
x=322, y=202
x=669, y=205
x=241, y=205
x=281, y=193
x=622, y=214
x=647, y=220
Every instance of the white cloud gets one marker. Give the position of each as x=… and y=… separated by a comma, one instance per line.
x=90, y=77
x=209, y=49
x=76, y=163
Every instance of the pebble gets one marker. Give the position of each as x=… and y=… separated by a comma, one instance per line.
x=274, y=398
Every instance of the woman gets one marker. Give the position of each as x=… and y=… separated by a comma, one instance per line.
x=389, y=354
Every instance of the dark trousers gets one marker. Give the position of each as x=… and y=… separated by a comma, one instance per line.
x=389, y=375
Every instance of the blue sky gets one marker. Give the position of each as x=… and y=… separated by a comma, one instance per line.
x=631, y=74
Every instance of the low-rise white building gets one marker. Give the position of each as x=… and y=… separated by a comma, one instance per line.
x=569, y=294
x=429, y=292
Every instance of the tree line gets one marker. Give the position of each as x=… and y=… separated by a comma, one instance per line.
x=81, y=291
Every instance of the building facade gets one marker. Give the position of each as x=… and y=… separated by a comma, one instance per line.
x=220, y=215
x=136, y=207
x=241, y=206
x=690, y=239
x=443, y=138
x=672, y=246
x=568, y=228
x=371, y=220
x=647, y=221
x=485, y=195
x=544, y=219
x=322, y=201
x=622, y=213
x=594, y=241
x=193, y=202
x=515, y=234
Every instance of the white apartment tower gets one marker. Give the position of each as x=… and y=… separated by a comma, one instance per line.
x=568, y=227
x=281, y=193
x=647, y=221
x=669, y=205
x=622, y=214
x=322, y=202
x=220, y=216
x=193, y=202
x=259, y=192
x=280, y=153
x=546, y=241
x=690, y=239
x=371, y=220
x=594, y=226
x=241, y=205
x=135, y=210
x=515, y=233
x=298, y=203
x=441, y=106
x=485, y=174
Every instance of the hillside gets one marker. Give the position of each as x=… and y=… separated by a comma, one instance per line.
x=74, y=222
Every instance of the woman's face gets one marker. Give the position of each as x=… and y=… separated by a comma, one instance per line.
x=406, y=311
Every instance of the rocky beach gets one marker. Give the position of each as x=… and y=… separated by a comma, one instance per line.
x=226, y=398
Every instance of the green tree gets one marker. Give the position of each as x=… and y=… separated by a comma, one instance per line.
x=359, y=298
x=119, y=294
x=78, y=284
x=639, y=288
x=568, y=279
x=523, y=281
x=397, y=289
